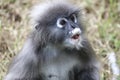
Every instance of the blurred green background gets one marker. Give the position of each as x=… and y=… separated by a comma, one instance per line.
x=101, y=17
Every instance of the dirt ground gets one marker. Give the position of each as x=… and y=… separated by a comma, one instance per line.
x=101, y=18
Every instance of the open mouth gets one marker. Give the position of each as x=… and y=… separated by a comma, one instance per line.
x=76, y=36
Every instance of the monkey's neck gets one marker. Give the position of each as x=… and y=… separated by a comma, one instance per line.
x=54, y=50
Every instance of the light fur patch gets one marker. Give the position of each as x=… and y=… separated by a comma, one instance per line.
x=39, y=10
x=74, y=43
x=76, y=31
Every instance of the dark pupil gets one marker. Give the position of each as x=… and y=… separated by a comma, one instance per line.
x=62, y=22
x=72, y=18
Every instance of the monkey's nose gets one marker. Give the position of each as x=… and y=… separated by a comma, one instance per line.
x=76, y=33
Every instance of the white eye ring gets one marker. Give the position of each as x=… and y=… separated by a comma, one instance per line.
x=74, y=18
x=61, y=22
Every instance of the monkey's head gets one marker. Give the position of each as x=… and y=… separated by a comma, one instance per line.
x=58, y=23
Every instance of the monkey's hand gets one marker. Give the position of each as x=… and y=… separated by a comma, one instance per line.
x=89, y=74
x=86, y=74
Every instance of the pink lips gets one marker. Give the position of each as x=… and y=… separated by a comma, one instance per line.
x=76, y=36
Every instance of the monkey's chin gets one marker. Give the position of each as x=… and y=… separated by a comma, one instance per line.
x=73, y=43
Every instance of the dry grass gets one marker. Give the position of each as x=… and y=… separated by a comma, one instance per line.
x=103, y=27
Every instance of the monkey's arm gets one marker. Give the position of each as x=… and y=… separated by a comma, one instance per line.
x=90, y=67
x=25, y=65
x=88, y=74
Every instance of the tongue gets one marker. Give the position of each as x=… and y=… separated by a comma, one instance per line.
x=76, y=36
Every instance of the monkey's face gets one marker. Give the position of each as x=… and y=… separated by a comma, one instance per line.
x=59, y=25
x=69, y=31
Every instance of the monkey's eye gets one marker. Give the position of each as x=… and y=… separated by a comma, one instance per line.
x=61, y=22
x=73, y=18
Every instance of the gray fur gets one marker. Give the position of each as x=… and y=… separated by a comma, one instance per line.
x=51, y=54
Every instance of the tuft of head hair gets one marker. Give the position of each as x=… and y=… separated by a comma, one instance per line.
x=38, y=11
